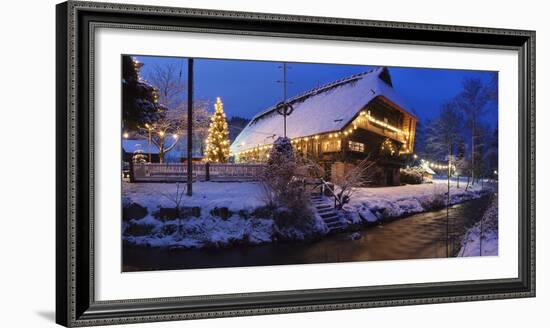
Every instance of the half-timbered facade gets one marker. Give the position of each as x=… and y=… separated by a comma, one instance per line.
x=339, y=123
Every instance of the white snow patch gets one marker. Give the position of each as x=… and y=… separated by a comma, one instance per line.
x=207, y=195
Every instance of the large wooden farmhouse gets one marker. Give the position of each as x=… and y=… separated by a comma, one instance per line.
x=339, y=124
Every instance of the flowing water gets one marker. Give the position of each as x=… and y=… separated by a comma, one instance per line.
x=418, y=236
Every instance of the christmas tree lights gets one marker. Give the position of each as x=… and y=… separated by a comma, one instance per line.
x=217, y=143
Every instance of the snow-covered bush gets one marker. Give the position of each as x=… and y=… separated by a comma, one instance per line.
x=278, y=172
x=133, y=211
x=139, y=157
x=412, y=175
x=285, y=194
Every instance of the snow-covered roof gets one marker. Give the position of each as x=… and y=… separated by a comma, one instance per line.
x=141, y=145
x=427, y=169
x=328, y=108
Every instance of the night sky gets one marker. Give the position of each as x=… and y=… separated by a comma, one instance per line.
x=248, y=87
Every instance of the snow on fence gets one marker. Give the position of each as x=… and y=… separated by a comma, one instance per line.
x=177, y=172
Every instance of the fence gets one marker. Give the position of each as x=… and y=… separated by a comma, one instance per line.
x=177, y=172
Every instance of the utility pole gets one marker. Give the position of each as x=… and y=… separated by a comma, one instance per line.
x=283, y=108
x=149, y=144
x=448, y=197
x=284, y=82
x=190, y=127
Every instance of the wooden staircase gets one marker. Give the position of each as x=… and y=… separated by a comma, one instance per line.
x=324, y=208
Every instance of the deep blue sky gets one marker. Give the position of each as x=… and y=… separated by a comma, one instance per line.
x=248, y=87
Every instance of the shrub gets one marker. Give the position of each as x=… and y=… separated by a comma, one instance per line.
x=284, y=194
x=412, y=175
x=133, y=211
x=263, y=212
x=134, y=229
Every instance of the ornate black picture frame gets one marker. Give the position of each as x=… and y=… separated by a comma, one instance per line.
x=75, y=301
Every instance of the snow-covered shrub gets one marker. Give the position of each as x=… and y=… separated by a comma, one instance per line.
x=139, y=157
x=133, y=229
x=263, y=211
x=279, y=171
x=133, y=211
x=411, y=175
x=143, y=227
x=285, y=194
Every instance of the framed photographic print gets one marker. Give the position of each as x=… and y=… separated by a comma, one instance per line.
x=214, y=163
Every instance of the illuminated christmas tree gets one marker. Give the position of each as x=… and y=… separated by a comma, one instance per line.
x=217, y=143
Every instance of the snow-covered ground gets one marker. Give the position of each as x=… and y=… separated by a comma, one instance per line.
x=390, y=202
x=245, y=226
x=487, y=245
x=242, y=226
x=207, y=195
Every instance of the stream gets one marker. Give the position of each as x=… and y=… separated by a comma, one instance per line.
x=417, y=236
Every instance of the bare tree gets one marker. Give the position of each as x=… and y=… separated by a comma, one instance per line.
x=360, y=175
x=200, y=124
x=169, y=81
x=443, y=134
x=472, y=101
x=177, y=199
x=174, y=121
x=165, y=133
x=442, y=139
x=492, y=88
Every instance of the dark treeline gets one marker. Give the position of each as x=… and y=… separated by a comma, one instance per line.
x=460, y=134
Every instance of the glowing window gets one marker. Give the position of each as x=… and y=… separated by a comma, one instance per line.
x=356, y=146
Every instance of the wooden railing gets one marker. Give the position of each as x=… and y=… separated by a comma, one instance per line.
x=177, y=172
x=327, y=188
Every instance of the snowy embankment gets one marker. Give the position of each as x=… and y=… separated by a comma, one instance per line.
x=217, y=215
x=487, y=228
x=197, y=232
x=233, y=213
x=376, y=204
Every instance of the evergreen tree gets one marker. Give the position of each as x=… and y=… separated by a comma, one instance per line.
x=236, y=125
x=139, y=98
x=217, y=143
